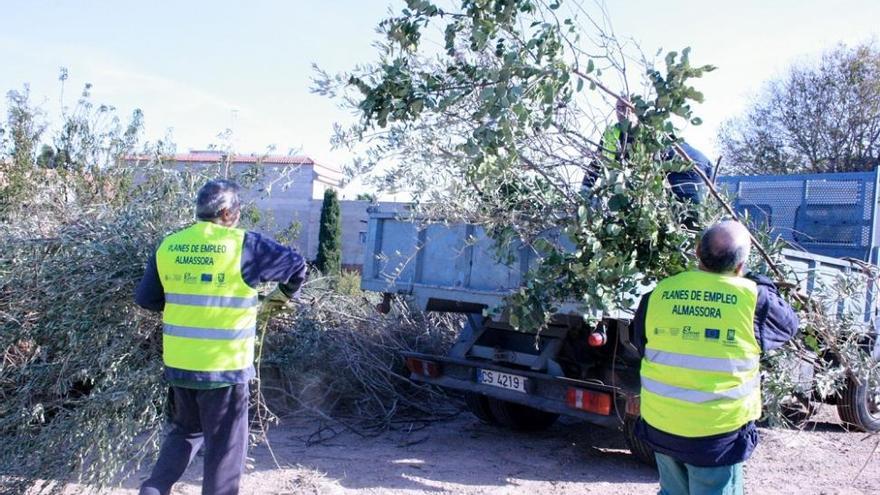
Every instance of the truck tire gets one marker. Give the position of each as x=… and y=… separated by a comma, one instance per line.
x=859, y=405
x=478, y=405
x=520, y=417
x=638, y=448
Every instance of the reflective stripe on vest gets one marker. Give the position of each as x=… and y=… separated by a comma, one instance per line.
x=218, y=301
x=701, y=369
x=698, y=396
x=209, y=333
x=700, y=363
x=210, y=311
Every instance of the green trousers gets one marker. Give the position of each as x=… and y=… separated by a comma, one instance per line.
x=678, y=478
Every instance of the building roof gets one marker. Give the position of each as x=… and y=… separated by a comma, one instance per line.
x=326, y=173
x=329, y=174
x=215, y=156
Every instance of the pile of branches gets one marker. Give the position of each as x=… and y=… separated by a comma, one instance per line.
x=80, y=381
x=82, y=396
x=333, y=357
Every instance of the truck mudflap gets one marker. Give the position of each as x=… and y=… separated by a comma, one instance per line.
x=594, y=402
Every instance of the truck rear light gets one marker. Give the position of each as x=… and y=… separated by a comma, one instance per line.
x=589, y=400
x=423, y=367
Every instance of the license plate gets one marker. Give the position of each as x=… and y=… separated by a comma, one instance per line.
x=502, y=380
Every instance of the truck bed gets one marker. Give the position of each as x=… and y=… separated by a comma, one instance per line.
x=457, y=267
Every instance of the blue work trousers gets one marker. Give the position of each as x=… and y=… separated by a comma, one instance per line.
x=679, y=478
x=216, y=418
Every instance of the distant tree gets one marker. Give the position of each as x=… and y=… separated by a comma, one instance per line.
x=819, y=117
x=366, y=197
x=18, y=144
x=25, y=127
x=329, y=259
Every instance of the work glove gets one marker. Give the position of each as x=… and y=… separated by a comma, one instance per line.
x=275, y=300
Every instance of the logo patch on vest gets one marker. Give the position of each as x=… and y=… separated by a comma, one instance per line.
x=207, y=278
x=673, y=332
x=713, y=334
x=189, y=278
x=688, y=333
x=731, y=337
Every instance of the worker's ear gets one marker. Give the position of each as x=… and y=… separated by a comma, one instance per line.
x=228, y=217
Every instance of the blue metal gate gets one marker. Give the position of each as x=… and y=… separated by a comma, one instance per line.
x=829, y=214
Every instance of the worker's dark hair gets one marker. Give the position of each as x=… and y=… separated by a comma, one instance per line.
x=215, y=196
x=724, y=246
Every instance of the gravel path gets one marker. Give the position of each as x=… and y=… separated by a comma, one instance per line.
x=464, y=456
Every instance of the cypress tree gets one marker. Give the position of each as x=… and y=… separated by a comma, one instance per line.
x=329, y=259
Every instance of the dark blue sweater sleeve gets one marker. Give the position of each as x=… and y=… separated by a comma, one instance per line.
x=688, y=185
x=775, y=320
x=149, y=293
x=639, y=339
x=264, y=260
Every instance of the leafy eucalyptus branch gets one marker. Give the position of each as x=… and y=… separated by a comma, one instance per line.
x=503, y=118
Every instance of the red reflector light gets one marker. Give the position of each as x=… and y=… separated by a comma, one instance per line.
x=597, y=339
x=589, y=400
x=423, y=367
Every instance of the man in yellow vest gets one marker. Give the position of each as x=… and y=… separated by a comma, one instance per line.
x=701, y=334
x=204, y=279
x=616, y=144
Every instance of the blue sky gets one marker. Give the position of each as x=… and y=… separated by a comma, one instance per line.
x=199, y=67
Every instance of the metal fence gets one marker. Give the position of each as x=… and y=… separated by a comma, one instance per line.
x=830, y=214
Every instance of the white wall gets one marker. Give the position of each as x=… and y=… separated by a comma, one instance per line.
x=294, y=193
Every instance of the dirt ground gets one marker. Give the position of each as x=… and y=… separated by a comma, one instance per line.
x=463, y=456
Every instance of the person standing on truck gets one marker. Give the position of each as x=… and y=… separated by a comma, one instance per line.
x=614, y=146
x=204, y=278
x=701, y=334
x=615, y=142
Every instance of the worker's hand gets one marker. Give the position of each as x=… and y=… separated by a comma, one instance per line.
x=275, y=300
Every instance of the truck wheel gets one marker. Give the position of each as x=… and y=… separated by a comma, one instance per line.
x=638, y=448
x=520, y=417
x=859, y=405
x=478, y=405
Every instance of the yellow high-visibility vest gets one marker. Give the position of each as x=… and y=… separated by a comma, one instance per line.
x=611, y=142
x=700, y=373
x=210, y=311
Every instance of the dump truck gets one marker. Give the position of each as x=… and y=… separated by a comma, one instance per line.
x=523, y=380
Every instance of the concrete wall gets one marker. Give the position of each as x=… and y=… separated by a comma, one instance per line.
x=294, y=193
x=282, y=194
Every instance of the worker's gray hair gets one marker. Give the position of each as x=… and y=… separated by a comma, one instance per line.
x=215, y=196
x=724, y=246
